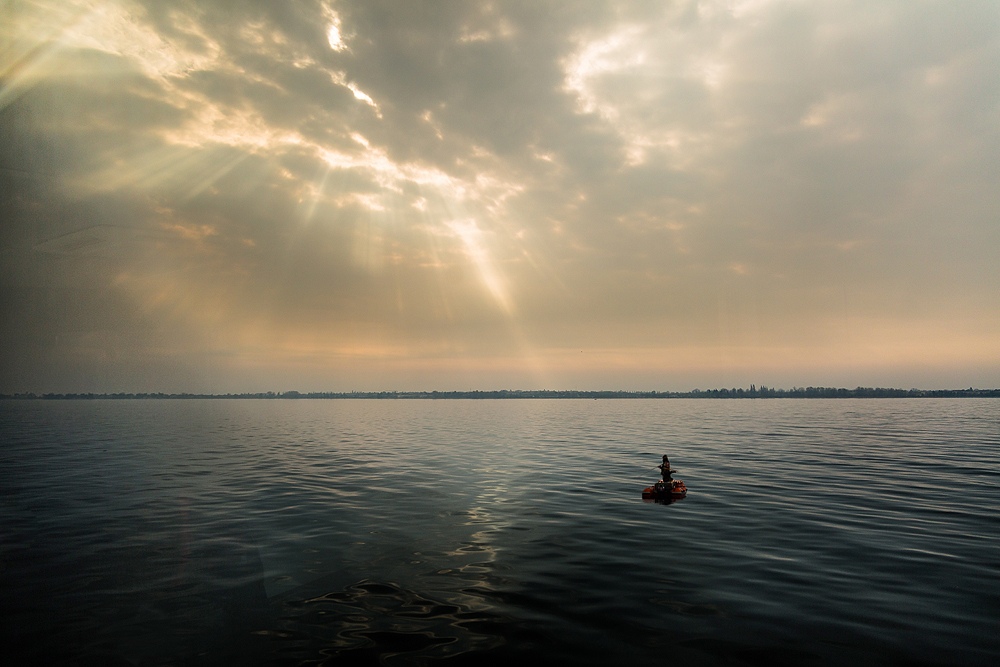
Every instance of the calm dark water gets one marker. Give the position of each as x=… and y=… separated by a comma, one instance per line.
x=339, y=532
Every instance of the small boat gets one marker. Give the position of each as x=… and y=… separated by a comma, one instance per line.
x=665, y=490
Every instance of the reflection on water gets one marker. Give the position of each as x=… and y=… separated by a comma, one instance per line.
x=662, y=501
x=382, y=620
x=404, y=533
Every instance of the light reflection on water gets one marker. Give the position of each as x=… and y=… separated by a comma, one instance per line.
x=359, y=532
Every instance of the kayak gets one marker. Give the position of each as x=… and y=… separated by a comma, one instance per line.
x=661, y=490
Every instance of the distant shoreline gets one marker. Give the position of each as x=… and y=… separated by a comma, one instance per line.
x=753, y=392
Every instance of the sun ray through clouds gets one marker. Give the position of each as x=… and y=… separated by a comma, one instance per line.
x=504, y=192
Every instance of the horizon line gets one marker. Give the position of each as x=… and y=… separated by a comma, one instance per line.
x=752, y=392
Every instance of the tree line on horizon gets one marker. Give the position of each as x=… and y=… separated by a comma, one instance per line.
x=752, y=392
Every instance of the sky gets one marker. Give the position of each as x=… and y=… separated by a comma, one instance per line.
x=376, y=195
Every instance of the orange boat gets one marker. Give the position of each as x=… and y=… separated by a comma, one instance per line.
x=664, y=490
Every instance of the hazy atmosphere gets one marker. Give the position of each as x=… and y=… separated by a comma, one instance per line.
x=226, y=196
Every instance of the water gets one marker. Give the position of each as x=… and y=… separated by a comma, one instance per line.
x=340, y=532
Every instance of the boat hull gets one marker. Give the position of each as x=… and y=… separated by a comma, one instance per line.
x=658, y=492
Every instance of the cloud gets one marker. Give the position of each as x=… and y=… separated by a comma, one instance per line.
x=449, y=189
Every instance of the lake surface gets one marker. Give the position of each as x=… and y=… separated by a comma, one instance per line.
x=408, y=532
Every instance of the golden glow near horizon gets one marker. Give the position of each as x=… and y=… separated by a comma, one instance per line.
x=326, y=196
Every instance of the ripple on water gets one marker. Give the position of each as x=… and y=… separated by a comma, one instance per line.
x=356, y=532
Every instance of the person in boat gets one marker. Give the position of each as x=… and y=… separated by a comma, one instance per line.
x=668, y=480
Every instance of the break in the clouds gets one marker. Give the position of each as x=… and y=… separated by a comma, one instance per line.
x=242, y=196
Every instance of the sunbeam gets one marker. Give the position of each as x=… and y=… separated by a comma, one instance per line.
x=358, y=193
